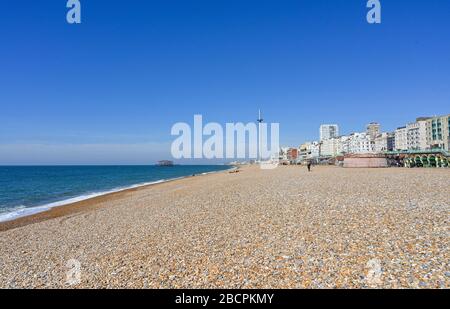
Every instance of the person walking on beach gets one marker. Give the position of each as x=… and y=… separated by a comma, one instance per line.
x=309, y=166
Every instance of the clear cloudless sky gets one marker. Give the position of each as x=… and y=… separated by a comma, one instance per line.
x=108, y=91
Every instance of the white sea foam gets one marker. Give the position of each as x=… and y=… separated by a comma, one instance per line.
x=23, y=211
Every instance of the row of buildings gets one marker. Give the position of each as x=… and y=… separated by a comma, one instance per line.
x=423, y=134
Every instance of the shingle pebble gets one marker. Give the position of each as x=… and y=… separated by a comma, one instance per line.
x=282, y=228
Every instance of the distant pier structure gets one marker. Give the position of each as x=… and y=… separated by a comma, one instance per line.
x=164, y=163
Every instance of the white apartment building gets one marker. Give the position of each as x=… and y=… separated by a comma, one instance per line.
x=416, y=135
x=354, y=143
x=381, y=142
x=343, y=145
x=283, y=154
x=384, y=142
x=373, y=129
x=438, y=132
x=314, y=150
x=401, y=139
x=309, y=150
x=328, y=131
x=329, y=147
x=361, y=143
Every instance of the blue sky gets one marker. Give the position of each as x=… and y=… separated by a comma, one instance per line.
x=108, y=91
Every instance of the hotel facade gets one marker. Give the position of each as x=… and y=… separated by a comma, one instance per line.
x=328, y=131
x=424, y=134
x=437, y=132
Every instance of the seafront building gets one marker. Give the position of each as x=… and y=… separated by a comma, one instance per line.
x=343, y=144
x=309, y=151
x=328, y=131
x=361, y=143
x=425, y=134
x=328, y=147
x=401, y=138
x=373, y=130
x=416, y=135
x=437, y=131
x=391, y=141
x=382, y=142
x=283, y=153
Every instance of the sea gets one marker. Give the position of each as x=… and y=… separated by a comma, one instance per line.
x=26, y=190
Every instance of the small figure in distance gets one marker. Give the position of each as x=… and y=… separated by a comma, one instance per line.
x=309, y=166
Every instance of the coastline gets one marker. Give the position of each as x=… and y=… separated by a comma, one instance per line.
x=91, y=202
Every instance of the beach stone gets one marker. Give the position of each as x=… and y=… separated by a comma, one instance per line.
x=281, y=228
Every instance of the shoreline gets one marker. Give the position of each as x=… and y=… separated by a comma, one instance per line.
x=91, y=202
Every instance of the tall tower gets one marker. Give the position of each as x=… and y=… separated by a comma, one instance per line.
x=373, y=129
x=329, y=131
x=260, y=120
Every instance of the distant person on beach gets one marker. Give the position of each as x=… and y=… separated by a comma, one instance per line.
x=309, y=166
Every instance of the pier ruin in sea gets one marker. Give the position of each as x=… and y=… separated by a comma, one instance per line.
x=164, y=163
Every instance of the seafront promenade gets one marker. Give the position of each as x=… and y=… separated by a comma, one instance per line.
x=281, y=228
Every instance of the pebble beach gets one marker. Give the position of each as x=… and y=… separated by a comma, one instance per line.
x=280, y=228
